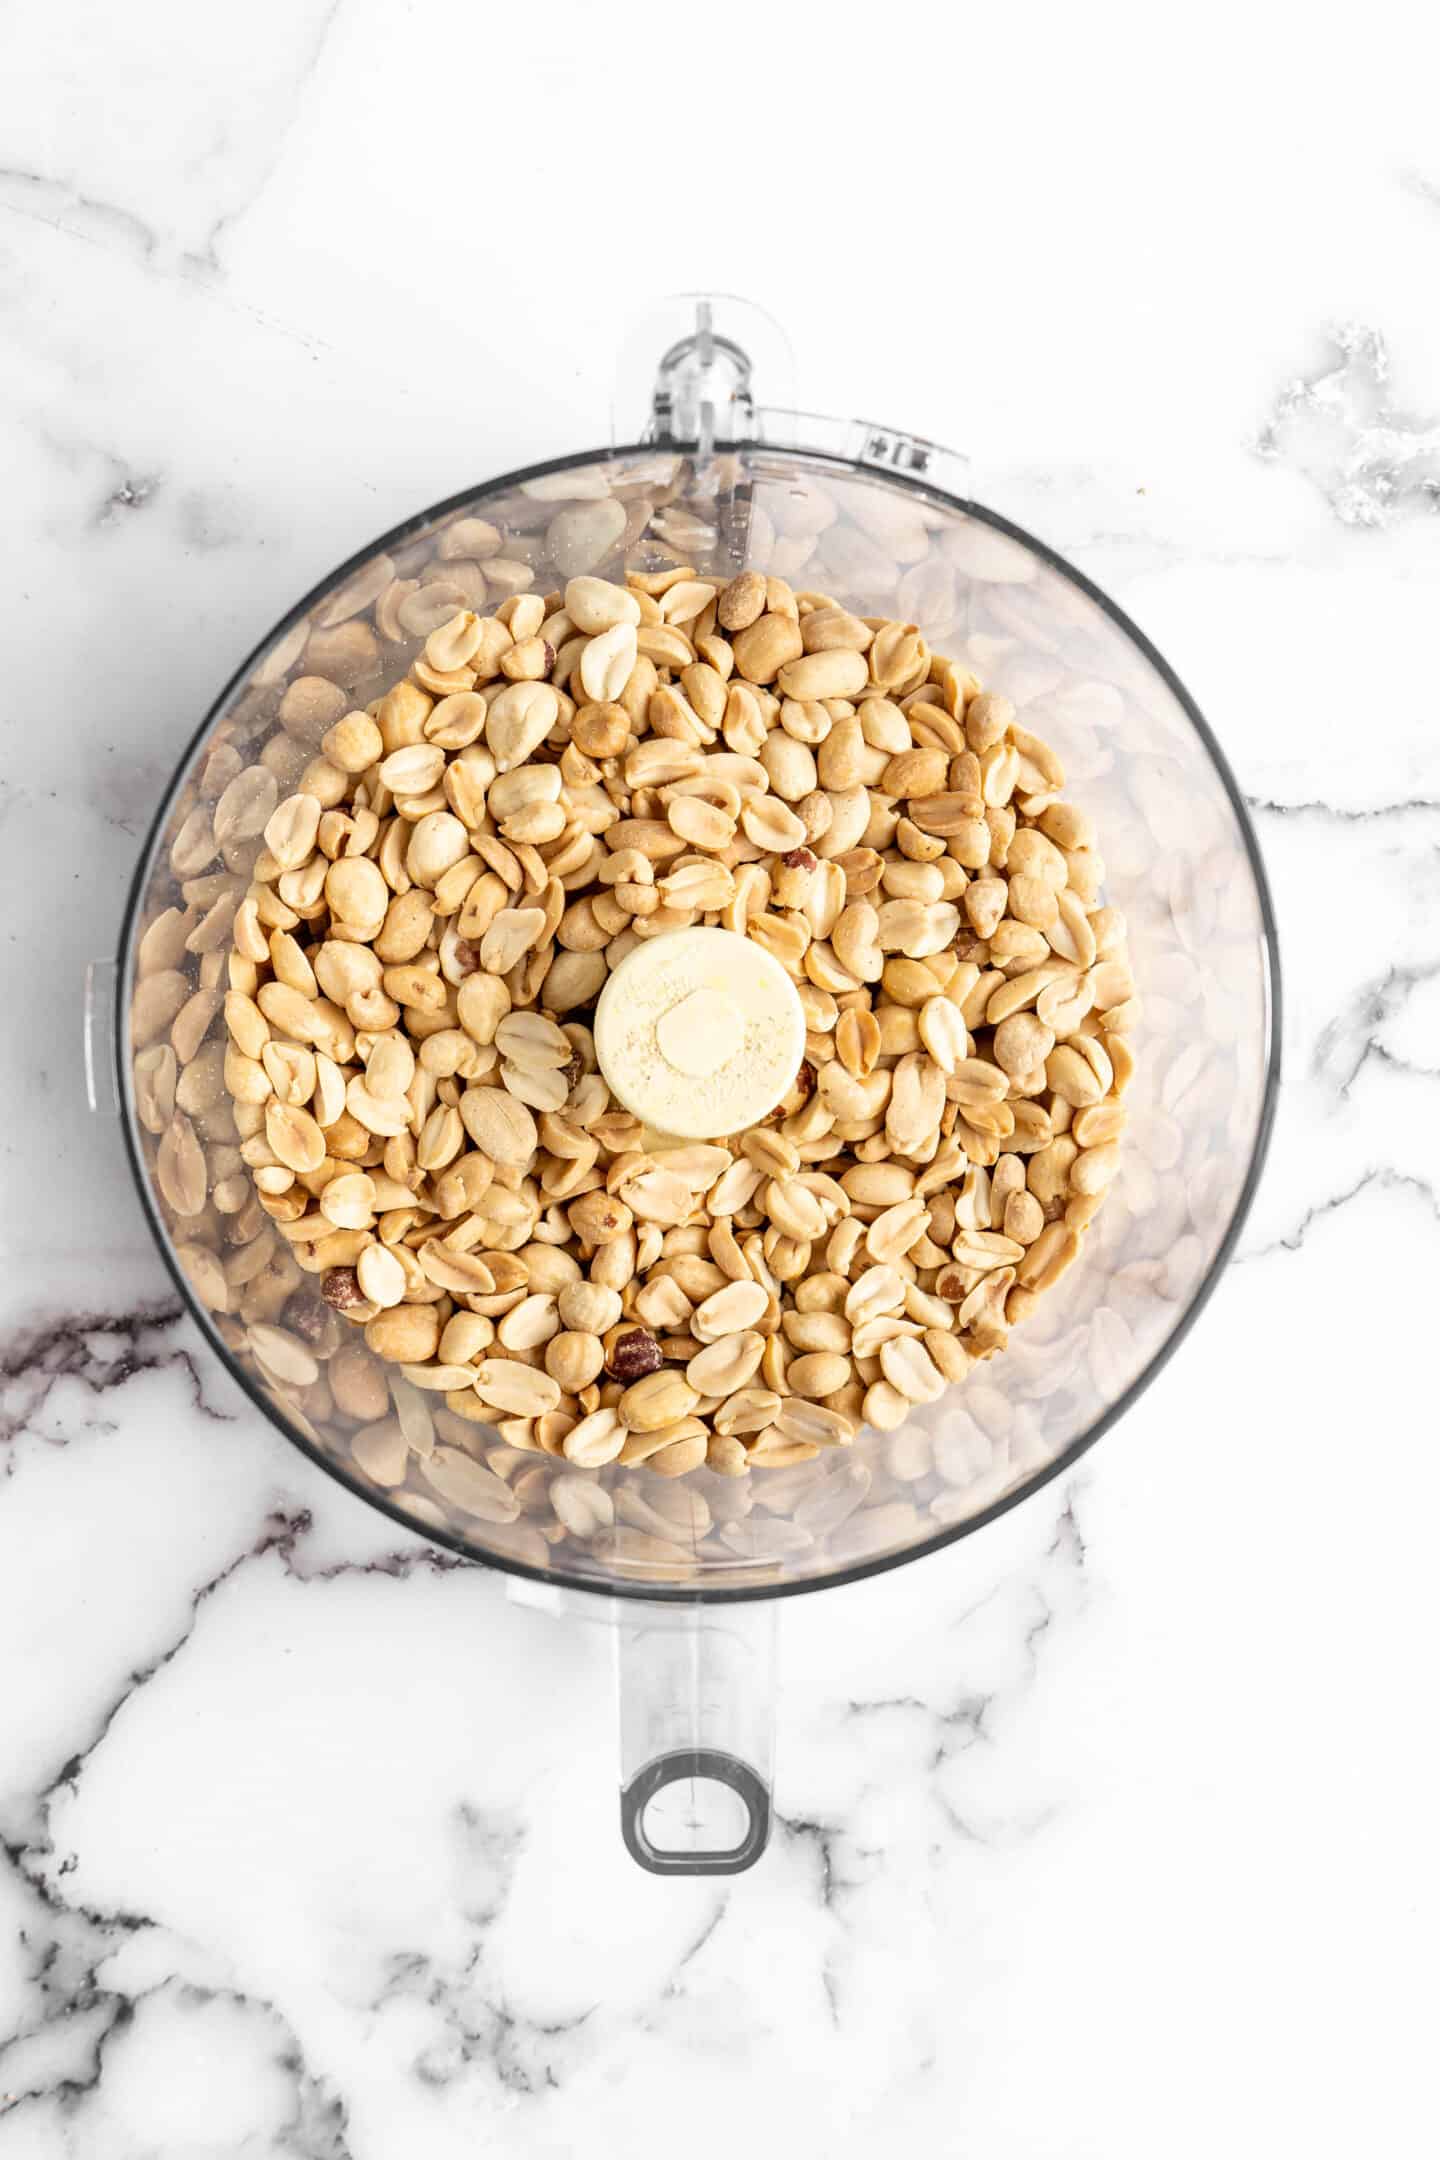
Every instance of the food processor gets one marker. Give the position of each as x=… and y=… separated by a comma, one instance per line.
x=692, y=1571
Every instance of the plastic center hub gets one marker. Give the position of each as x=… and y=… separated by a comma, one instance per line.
x=699, y=1033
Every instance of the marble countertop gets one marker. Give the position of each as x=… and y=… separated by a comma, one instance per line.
x=1109, y=1832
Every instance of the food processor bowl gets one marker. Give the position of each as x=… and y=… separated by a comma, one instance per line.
x=880, y=521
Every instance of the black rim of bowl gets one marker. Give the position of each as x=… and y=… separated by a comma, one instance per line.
x=876, y=1564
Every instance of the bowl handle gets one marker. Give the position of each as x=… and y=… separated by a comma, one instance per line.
x=102, y=1086
x=696, y=1687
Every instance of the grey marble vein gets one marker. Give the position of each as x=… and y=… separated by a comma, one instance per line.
x=124, y=489
x=1350, y=1040
x=480, y=2031
x=207, y=255
x=65, y=206
x=1420, y=184
x=1372, y=1181
x=68, y=1939
x=102, y=1351
x=818, y=1839
x=1340, y=427
x=278, y=1535
x=133, y=492
x=703, y=1935
x=1342, y=814
x=69, y=210
x=281, y=1536
x=314, y=2126
x=113, y=229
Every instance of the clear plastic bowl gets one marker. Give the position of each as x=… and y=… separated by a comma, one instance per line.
x=859, y=513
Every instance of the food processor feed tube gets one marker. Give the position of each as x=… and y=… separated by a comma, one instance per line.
x=507, y=1446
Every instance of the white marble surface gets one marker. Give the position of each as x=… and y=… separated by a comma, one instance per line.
x=1106, y=1834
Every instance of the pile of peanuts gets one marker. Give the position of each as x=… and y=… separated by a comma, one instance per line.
x=435, y=910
